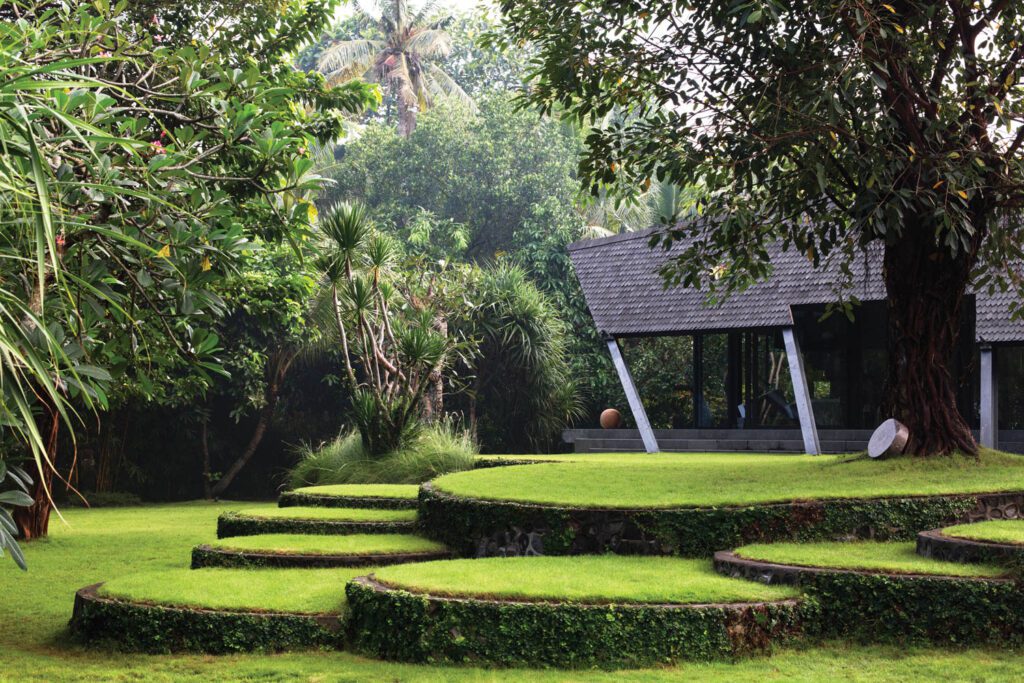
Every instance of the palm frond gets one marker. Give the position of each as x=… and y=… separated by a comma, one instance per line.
x=350, y=57
x=440, y=83
x=430, y=43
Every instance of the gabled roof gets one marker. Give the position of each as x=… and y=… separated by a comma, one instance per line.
x=626, y=297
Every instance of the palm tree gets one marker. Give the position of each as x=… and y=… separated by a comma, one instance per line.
x=403, y=62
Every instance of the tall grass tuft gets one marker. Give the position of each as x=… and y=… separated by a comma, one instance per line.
x=434, y=450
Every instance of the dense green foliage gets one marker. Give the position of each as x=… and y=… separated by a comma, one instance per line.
x=593, y=579
x=996, y=531
x=434, y=450
x=136, y=172
x=716, y=479
x=153, y=629
x=491, y=172
x=407, y=627
x=893, y=558
x=872, y=608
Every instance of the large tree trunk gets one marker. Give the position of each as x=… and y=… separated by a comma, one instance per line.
x=926, y=287
x=34, y=521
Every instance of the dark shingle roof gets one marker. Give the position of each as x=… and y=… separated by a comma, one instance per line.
x=620, y=280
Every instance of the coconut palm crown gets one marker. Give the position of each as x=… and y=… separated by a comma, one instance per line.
x=403, y=62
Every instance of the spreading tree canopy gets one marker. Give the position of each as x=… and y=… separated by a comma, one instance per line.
x=825, y=126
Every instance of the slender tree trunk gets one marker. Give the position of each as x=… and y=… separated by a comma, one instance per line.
x=277, y=370
x=406, y=117
x=433, y=401
x=926, y=287
x=204, y=438
x=34, y=521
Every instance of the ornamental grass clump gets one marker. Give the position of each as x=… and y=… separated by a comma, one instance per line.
x=434, y=450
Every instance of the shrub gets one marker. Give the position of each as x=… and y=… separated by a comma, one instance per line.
x=433, y=450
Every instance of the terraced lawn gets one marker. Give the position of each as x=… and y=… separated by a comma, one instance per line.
x=404, y=491
x=723, y=479
x=584, y=579
x=308, y=591
x=312, y=544
x=997, y=531
x=897, y=558
x=107, y=543
x=332, y=514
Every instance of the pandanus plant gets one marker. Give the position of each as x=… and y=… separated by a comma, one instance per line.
x=390, y=346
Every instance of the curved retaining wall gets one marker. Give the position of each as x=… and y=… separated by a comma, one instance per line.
x=231, y=524
x=143, y=627
x=941, y=547
x=398, y=625
x=905, y=608
x=208, y=556
x=484, y=528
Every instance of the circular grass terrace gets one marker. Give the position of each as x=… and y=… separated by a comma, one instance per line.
x=310, y=550
x=315, y=520
x=215, y=611
x=991, y=541
x=694, y=505
x=884, y=592
x=387, y=496
x=606, y=611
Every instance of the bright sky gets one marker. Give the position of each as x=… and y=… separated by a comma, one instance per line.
x=450, y=5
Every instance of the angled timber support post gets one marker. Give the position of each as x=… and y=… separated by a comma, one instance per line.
x=989, y=408
x=808, y=428
x=635, y=405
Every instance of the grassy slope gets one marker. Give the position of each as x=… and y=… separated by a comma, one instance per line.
x=334, y=514
x=352, y=544
x=709, y=479
x=996, y=531
x=105, y=543
x=366, y=490
x=308, y=590
x=598, y=579
x=892, y=557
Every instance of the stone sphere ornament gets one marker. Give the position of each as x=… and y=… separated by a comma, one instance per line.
x=611, y=419
x=890, y=438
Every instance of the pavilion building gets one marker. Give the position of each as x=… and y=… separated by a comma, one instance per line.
x=784, y=377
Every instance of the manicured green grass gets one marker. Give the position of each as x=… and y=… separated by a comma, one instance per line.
x=103, y=544
x=312, y=544
x=897, y=558
x=333, y=514
x=309, y=591
x=703, y=479
x=583, y=579
x=996, y=531
x=406, y=491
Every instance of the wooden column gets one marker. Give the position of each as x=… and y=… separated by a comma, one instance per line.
x=989, y=398
x=635, y=405
x=808, y=428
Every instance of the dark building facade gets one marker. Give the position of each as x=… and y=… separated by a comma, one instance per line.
x=769, y=358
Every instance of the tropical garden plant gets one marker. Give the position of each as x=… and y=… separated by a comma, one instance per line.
x=134, y=176
x=391, y=332
x=522, y=392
